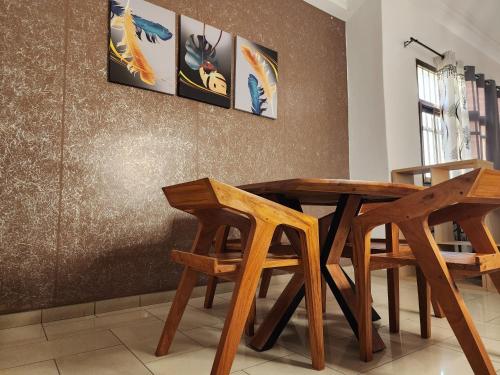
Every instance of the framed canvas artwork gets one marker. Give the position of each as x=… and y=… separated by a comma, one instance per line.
x=256, y=79
x=142, y=45
x=205, y=56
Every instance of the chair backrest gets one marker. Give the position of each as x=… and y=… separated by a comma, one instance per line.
x=466, y=199
x=479, y=187
x=208, y=193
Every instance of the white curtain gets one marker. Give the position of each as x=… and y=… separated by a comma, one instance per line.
x=454, y=113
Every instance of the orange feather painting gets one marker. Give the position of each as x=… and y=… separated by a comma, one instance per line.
x=141, y=45
x=256, y=84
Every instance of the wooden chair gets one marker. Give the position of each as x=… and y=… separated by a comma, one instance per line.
x=223, y=244
x=466, y=200
x=216, y=206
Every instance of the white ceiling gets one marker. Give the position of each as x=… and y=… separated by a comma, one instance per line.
x=474, y=21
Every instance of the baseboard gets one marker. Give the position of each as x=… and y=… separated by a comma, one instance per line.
x=97, y=307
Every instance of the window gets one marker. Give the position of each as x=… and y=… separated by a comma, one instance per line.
x=431, y=129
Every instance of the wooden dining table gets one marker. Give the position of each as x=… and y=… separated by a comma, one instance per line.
x=347, y=196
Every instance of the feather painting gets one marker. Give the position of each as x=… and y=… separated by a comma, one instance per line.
x=141, y=45
x=256, y=79
x=205, y=54
x=256, y=93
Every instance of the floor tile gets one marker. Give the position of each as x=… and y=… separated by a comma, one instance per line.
x=42, y=351
x=192, y=317
x=40, y=368
x=291, y=365
x=102, y=322
x=116, y=360
x=492, y=347
x=21, y=335
x=435, y=359
x=438, y=333
x=341, y=347
x=245, y=357
x=200, y=362
x=192, y=363
x=142, y=339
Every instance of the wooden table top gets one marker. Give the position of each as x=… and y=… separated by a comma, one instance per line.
x=326, y=192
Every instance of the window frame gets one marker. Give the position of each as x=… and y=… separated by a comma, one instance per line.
x=424, y=106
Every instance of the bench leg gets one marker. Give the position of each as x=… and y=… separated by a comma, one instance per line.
x=436, y=272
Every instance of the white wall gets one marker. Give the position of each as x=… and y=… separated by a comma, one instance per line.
x=382, y=80
x=367, y=133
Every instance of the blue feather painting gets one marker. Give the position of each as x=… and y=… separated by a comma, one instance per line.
x=142, y=45
x=256, y=95
x=256, y=86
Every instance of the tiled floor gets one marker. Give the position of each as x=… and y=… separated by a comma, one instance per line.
x=123, y=342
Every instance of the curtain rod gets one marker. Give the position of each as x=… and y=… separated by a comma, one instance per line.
x=413, y=40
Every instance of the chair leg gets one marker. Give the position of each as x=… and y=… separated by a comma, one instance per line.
x=362, y=249
x=188, y=282
x=250, y=325
x=393, y=297
x=436, y=272
x=264, y=282
x=313, y=278
x=210, y=292
x=243, y=297
x=438, y=311
x=424, y=306
x=220, y=243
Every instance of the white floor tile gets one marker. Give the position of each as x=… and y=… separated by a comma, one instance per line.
x=21, y=335
x=101, y=322
x=245, y=357
x=142, y=339
x=192, y=317
x=40, y=368
x=435, y=359
x=42, y=351
x=291, y=365
x=110, y=361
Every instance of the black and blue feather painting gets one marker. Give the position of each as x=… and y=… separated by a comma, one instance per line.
x=205, y=57
x=256, y=86
x=142, y=45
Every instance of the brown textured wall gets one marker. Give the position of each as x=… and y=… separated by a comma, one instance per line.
x=82, y=214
